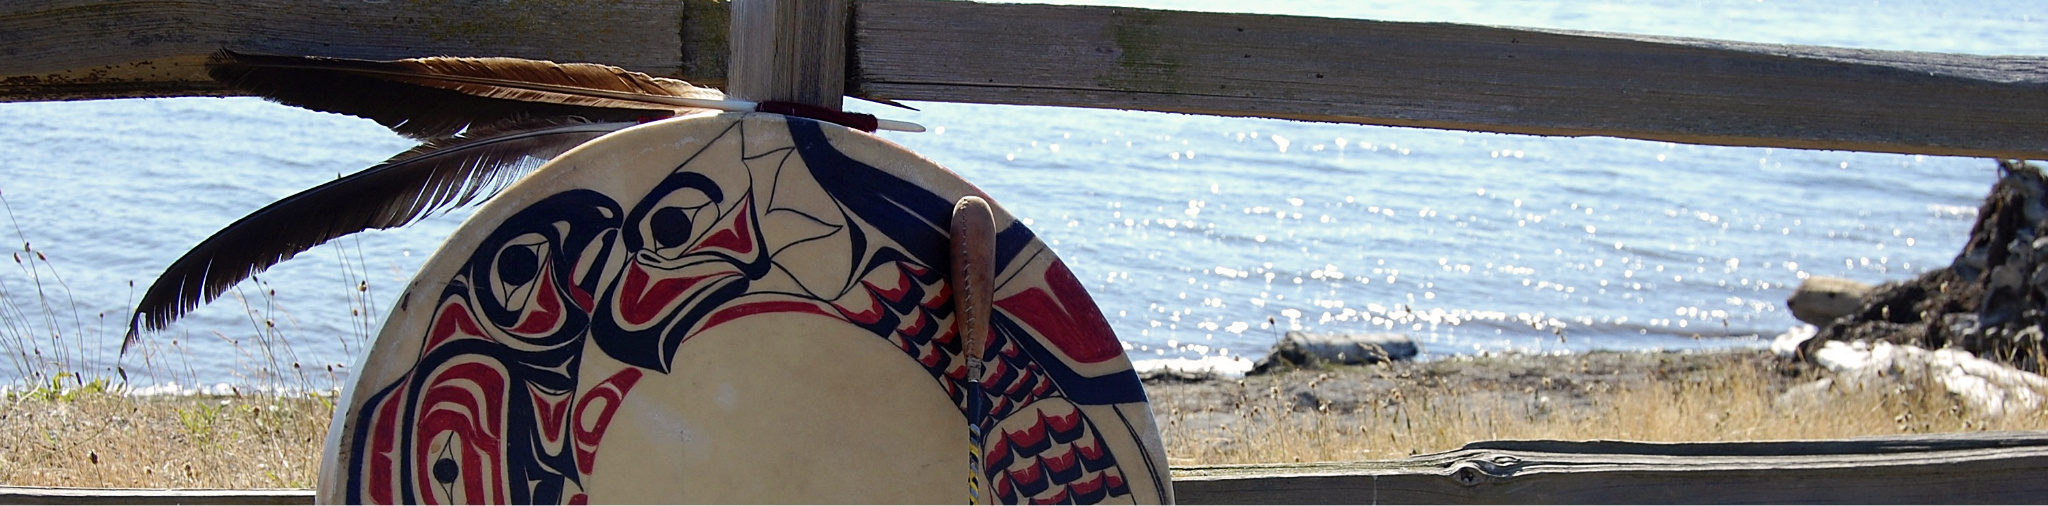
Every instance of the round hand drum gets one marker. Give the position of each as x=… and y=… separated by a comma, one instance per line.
x=737, y=308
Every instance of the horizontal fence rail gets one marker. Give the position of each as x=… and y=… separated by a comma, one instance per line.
x=1982, y=467
x=55, y=495
x=1431, y=75
x=1987, y=467
x=1450, y=76
x=93, y=49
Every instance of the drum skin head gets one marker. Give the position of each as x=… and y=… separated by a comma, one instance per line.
x=736, y=308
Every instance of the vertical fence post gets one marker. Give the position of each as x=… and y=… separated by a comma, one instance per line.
x=789, y=51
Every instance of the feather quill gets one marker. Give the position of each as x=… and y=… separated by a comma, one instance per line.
x=428, y=98
x=436, y=176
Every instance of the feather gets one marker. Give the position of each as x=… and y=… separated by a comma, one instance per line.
x=429, y=98
x=435, y=176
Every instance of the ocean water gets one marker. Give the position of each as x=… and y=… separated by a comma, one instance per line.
x=1201, y=238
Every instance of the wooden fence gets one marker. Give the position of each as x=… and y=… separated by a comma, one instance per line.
x=1986, y=467
x=1432, y=75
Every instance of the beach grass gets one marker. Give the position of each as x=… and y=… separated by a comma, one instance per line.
x=1388, y=412
x=92, y=437
x=101, y=439
x=71, y=417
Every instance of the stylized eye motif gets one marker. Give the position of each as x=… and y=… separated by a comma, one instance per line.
x=670, y=227
x=516, y=266
x=677, y=218
x=446, y=470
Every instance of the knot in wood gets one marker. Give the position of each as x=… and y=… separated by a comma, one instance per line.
x=1467, y=474
x=1479, y=469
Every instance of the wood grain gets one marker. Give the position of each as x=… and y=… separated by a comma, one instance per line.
x=789, y=51
x=86, y=49
x=1450, y=76
x=1979, y=467
x=1431, y=75
x=1984, y=467
x=55, y=495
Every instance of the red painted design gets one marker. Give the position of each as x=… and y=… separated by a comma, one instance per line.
x=997, y=369
x=553, y=412
x=582, y=298
x=891, y=288
x=735, y=233
x=383, y=471
x=613, y=392
x=463, y=405
x=1039, y=390
x=755, y=308
x=1089, y=486
x=864, y=316
x=1065, y=316
x=1030, y=436
x=930, y=356
x=915, y=324
x=933, y=299
x=1062, y=423
x=1061, y=463
x=1059, y=498
x=579, y=499
x=1030, y=473
x=640, y=304
x=548, y=312
x=1088, y=452
x=997, y=450
x=453, y=319
x=1001, y=485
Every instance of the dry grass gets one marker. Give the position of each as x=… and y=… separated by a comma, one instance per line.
x=62, y=424
x=95, y=439
x=1360, y=414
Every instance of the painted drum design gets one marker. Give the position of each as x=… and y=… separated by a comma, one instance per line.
x=737, y=307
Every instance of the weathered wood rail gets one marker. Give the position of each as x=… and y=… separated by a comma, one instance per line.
x=1434, y=75
x=1985, y=467
x=1988, y=467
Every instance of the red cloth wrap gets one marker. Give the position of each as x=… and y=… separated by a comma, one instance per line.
x=862, y=122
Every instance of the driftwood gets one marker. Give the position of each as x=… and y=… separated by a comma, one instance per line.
x=1434, y=75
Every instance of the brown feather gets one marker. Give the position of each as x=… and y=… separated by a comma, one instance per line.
x=436, y=176
x=438, y=97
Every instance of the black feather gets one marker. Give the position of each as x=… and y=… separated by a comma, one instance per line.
x=436, y=176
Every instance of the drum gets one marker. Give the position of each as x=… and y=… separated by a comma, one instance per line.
x=737, y=308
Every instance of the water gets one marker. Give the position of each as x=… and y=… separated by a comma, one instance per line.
x=1192, y=232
